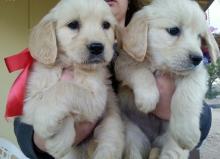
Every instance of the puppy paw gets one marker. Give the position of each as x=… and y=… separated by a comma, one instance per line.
x=168, y=155
x=47, y=122
x=135, y=156
x=187, y=137
x=104, y=156
x=189, y=142
x=174, y=155
x=61, y=144
x=165, y=157
x=58, y=149
x=105, y=153
x=145, y=102
x=46, y=128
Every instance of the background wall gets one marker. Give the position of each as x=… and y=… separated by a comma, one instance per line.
x=16, y=19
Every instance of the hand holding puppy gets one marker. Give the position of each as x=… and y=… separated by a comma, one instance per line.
x=166, y=87
x=83, y=130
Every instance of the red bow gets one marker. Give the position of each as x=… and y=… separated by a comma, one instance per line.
x=15, y=100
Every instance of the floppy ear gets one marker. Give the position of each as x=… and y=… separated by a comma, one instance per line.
x=212, y=46
x=134, y=37
x=42, y=42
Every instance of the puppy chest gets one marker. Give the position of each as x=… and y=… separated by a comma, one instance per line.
x=91, y=105
x=91, y=97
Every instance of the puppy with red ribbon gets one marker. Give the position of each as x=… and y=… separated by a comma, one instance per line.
x=65, y=80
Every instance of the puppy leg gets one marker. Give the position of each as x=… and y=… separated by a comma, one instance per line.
x=72, y=155
x=140, y=79
x=60, y=145
x=186, y=108
x=109, y=135
x=48, y=122
x=143, y=83
x=145, y=90
x=137, y=144
x=51, y=110
x=52, y=121
x=171, y=149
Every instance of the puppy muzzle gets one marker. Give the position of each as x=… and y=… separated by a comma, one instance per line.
x=96, y=48
x=96, y=59
x=96, y=53
x=195, y=59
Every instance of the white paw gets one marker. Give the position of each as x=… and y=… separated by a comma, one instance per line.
x=133, y=155
x=186, y=136
x=145, y=102
x=165, y=157
x=106, y=154
x=168, y=155
x=48, y=122
x=58, y=148
x=47, y=127
x=174, y=154
x=61, y=144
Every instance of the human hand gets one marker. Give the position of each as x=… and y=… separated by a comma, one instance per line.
x=83, y=130
x=166, y=86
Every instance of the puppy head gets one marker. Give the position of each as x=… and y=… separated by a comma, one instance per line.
x=170, y=31
x=75, y=32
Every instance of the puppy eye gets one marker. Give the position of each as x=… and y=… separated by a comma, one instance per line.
x=74, y=25
x=106, y=25
x=175, y=31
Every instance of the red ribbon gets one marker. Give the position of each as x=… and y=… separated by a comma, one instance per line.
x=15, y=100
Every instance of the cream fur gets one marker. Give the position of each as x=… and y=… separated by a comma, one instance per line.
x=170, y=54
x=52, y=104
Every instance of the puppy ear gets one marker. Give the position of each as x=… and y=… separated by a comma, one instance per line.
x=42, y=42
x=134, y=37
x=212, y=46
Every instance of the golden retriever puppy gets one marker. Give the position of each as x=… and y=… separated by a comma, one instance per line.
x=164, y=37
x=69, y=83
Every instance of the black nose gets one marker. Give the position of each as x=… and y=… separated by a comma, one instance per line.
x=96, y=48
x=196, y=59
